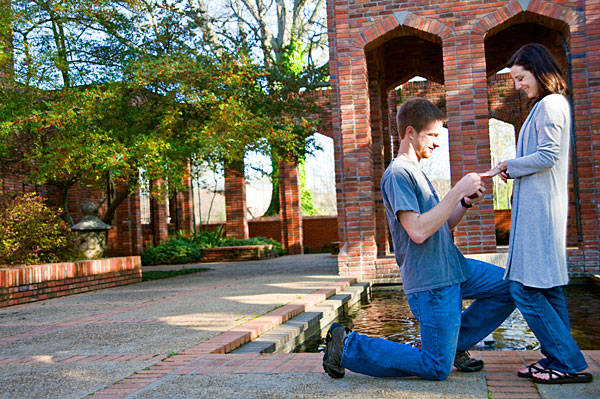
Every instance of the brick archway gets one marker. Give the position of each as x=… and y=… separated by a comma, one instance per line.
x=361, y=104
x=429, y=27
x=362, y=224
x=496, y=19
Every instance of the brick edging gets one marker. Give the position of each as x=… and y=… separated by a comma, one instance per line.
x=499, y=371
x=222, y=343
x=26, y=284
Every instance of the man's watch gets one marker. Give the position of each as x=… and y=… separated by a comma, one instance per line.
x=464, y=204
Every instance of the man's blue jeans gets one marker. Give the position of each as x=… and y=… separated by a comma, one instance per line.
x=444, y=329
x=546, y=313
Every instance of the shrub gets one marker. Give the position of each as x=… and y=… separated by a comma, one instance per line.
x=32, y=233
x=209, y=239
x=188, y=249
x=171, y=253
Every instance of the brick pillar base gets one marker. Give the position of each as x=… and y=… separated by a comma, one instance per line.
x=235, y=204
x=290, y=208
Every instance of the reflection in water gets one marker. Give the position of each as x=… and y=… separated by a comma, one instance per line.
x=387, y=315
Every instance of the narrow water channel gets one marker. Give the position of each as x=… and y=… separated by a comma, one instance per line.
x=386, y=314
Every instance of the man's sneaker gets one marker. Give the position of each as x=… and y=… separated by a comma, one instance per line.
x=335, y=338
x=464, y=362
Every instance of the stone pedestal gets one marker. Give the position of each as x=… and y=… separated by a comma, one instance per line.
x=93, y=243
x=93, y=232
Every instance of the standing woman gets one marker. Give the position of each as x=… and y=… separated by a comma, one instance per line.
x=537, y=264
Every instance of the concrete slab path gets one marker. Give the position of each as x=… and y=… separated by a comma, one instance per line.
x=171, y=338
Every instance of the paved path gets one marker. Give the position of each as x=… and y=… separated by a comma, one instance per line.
x=170, y=339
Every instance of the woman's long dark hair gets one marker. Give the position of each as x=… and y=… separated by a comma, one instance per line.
x=538, y=60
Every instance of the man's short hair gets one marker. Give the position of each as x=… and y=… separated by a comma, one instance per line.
x=418, y=113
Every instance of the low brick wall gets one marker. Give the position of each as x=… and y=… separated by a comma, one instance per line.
x=37, y=282
x=244, y=252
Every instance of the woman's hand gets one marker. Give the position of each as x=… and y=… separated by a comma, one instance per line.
x=503, y=171
x=499, y=169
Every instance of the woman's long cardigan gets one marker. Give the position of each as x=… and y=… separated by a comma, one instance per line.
x=537, y=245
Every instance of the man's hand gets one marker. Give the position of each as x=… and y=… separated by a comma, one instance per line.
x=470, y=190
x=474, y=199
x=470, y=186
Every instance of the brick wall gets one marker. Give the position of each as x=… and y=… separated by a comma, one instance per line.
x=34, y=283
x=318, y=231
x=269, y=227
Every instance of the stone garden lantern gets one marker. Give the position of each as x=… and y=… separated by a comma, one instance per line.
x=92, y=231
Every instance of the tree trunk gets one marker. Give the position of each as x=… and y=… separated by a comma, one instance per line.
x=273, y=208
x=119, y=198
x=63, y=202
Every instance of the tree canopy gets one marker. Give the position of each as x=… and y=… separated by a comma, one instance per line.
x=105, y=89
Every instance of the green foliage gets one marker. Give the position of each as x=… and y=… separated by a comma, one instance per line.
x=208, y=239
x=291, y=60
x=502, y=193
x=32, y=233
x=217, y=238
x=108, y=89
x=172, y=252
x=307, y=201
x=188, y=248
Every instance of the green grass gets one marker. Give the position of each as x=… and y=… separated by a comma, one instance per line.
x=160, y=274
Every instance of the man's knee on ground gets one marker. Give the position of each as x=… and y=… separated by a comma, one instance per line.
x=438, y=372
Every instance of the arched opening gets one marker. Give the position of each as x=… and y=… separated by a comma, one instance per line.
x=319, y=176
x=502, y=146
x=208, y=198
x=392, y=60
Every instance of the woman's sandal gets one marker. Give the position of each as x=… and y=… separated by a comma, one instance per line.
x=557, y=377
x=531, y=369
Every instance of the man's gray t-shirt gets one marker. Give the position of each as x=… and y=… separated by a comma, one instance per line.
x=435, y=263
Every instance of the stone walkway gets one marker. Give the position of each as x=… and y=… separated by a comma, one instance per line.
x=171, y=339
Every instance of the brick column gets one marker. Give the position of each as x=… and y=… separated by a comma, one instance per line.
x=585, y=64
x=359, y=252
x=158, y=212
x=185, y=207
x=125, y=238
x=235, y=203
x=354, y=163
x=137, y=239
x=469, y=141
x=378, y=114
x=290, y=210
